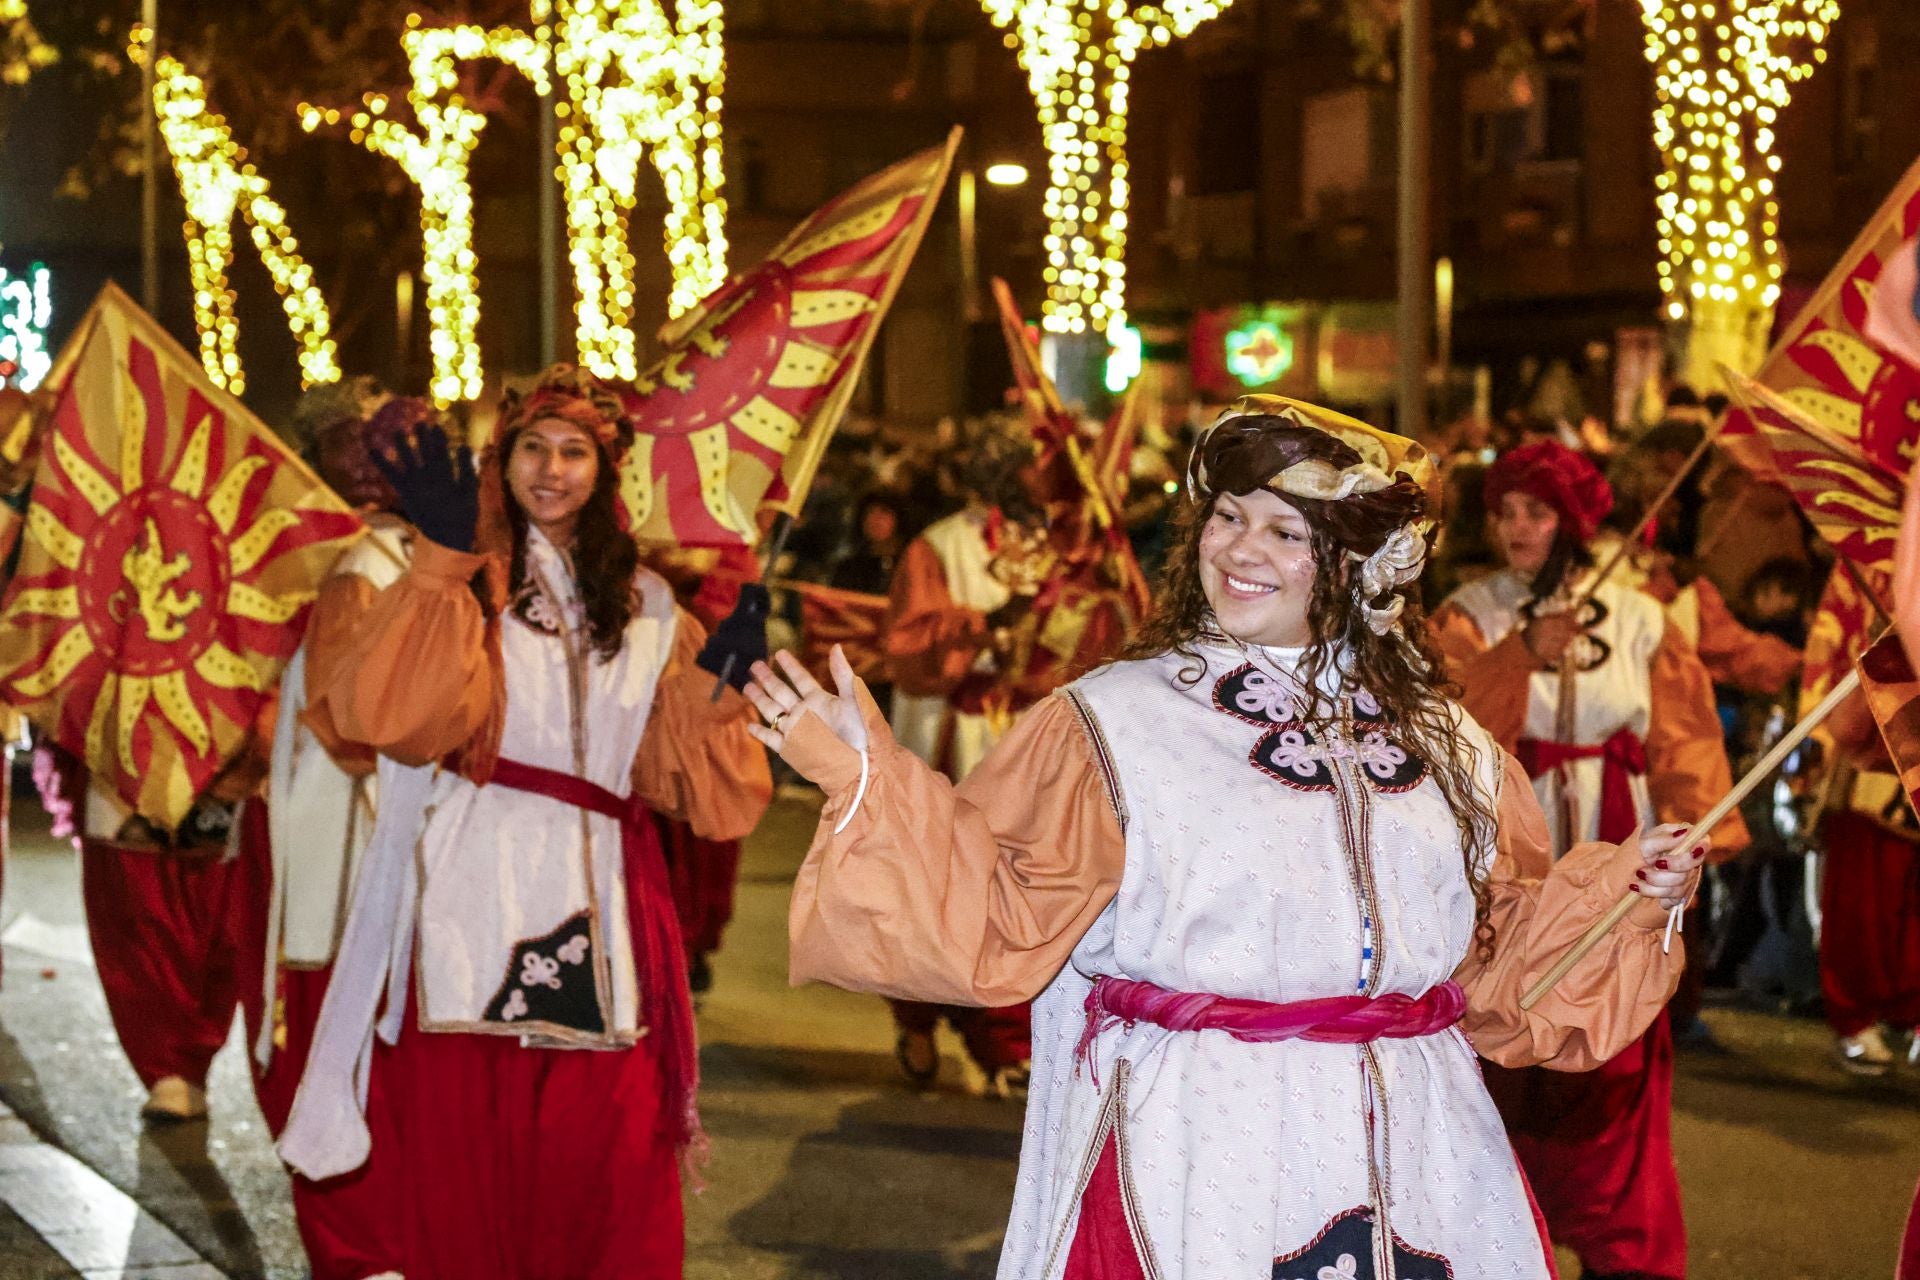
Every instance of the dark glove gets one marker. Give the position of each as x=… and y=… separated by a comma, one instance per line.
x=741, y=636
x=439, y=491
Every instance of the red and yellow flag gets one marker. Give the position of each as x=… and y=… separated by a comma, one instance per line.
x=1828, y=369
x=173, y=546
x=1851, y=497
x=737, y=414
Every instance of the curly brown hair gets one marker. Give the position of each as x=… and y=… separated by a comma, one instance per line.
x=1402, y=669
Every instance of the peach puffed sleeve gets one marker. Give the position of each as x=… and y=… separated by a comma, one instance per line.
x=928, y=643
x=972, y=895
x=417, y=681
x=344, y=601
x=1541, y=908
x=1495, y=680
x=1751, y=661
x=1687, y=769
x=697, y=763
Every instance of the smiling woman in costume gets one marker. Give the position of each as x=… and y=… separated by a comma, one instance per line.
x=533, y=693
x=1609, y=709
x=1270, y=888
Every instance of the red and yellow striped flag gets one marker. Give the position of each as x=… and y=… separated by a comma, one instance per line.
x=173, y=546
x=737, y=414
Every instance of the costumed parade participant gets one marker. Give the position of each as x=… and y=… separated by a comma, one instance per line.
x=1271, y=888
x=953, y=605
x=535, y=695
x=1610, y=712
x=322, y=798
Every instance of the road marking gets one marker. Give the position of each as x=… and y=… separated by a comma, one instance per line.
x=99, y=1230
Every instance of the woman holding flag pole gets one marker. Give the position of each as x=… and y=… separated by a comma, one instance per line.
x=535, y=696
x=1610, y=712
x=1271, y=888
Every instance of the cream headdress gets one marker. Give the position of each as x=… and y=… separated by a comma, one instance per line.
x=1384, y=459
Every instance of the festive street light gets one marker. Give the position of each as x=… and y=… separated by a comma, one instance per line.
x=640, y=84
x=435, y=155
x=1723, y=72
x=1078, y=55
x=217, y=183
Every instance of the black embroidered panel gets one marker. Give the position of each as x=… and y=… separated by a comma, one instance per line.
x=550, y=980
x=1344, y=1251
x=1250, y=694
x=1292, y=754
x=1589, y=652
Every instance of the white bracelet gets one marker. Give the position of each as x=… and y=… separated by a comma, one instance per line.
x=1675, y=924
x=860, y=793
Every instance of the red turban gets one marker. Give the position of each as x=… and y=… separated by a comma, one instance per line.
x=1559, y=477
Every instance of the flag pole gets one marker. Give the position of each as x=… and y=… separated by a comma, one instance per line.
x=1745, y=787
x=1653, y=509
x=783, y=525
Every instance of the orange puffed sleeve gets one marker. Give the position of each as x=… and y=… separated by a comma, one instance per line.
x=697, y=763
x=972, y=895
x=1540, y=908
x=1495, y=680
x=1751, y=661
x=342, y=605
x=1687, y=770
x=417, y=682
x=928, y=643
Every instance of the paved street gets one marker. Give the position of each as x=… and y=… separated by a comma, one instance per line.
x=824, y=1166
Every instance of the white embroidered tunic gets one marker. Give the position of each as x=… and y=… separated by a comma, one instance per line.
x=1259, y=860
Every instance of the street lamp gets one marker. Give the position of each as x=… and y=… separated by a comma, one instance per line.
x=1007, y=175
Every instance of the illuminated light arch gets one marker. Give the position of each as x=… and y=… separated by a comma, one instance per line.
x=1078, y=56
x=639, y=84
x=436, y=157
x=217, y=183
x=1724, y=70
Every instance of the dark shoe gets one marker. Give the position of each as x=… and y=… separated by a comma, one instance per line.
x=918, y=1056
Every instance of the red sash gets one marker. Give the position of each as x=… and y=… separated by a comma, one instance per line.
x=659, y=960
x=1624, y=758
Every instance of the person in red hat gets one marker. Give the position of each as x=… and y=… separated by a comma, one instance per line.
x=1610, y=712
x=535, y=697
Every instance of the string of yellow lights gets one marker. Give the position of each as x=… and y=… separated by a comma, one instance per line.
x=1078, y=56
x=216, y=182
x=639, y=83
x=436, y=157
x=1723, y=71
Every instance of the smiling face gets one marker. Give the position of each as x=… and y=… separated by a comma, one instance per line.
x=1523, y=529
x=1257, y=569
x=551, y=471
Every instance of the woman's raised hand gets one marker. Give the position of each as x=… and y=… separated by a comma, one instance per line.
x=785, y=697
x=1667, y=875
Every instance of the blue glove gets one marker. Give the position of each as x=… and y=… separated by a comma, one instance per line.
x=741, y=636
x=439, y=491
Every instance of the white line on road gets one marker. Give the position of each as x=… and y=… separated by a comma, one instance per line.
x=102, y=1232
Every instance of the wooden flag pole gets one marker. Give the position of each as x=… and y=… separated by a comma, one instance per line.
x=1754, y=777
x=1653, y=509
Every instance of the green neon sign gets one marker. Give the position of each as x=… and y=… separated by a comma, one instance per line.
x=1259, y=352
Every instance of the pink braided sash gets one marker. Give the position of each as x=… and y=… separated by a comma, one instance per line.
x=1352, y=1019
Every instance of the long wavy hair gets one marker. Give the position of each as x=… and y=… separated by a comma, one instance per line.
x=1402, y=669
x=605, y=556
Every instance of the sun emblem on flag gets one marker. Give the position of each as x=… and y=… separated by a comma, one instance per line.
x=747, y=376
x=160, y=595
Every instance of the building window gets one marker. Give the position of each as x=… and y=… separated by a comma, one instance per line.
x=1226, y=154
x=1337, y=148
x=1537, y=117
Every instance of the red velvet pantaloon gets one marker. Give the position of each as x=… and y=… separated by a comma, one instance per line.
x=1597, y=1149
x=167, y=932
x=1870, y=926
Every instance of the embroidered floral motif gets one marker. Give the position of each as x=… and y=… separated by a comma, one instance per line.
x=1291, y=753
x=537, y=970
x=550, y=980
x=533, y=607
x=1344, y=1251
x=1587, y=652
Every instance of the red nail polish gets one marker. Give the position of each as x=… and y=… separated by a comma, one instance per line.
x=1641, y=874
x=1661, y=863
x=1633, y=888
